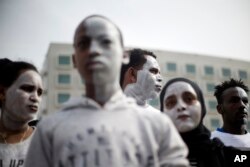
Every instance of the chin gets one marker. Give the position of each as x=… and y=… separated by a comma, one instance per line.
x=182, y=128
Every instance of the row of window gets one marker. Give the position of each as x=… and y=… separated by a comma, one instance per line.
x=208, y=70
x=172, y=67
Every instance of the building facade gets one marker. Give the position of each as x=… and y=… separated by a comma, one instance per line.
x=62, y=81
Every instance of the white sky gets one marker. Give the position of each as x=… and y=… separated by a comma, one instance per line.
x=211, y=27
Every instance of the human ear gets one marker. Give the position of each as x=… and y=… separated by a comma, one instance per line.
x=219, y=109
x=132, y=75
x=73, y=60
x=125, y=58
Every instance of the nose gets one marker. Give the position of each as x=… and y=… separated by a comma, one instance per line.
x=34, y=97
x=94, y=48
x=159, y=78
x=243, y=105
x=181, y=106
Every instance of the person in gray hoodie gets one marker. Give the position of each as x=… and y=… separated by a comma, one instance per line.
x=104, y=127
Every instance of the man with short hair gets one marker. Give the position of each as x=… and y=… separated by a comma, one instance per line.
x=141, y=78
x=104, y=128
x=233, y=106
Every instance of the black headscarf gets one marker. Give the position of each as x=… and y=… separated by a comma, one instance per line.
x=198, y=139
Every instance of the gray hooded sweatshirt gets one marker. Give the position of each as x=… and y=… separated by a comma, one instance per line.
x=118, y=134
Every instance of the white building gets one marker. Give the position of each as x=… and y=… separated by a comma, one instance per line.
x=62, y=81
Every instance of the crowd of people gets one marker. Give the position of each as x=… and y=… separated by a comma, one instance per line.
x=113, y=125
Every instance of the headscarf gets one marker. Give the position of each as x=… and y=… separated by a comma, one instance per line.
x=197, y=139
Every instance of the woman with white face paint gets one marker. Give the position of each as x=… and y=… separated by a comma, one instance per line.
x=20, y=97
x=183, y=101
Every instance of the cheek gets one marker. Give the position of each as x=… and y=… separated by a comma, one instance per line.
x=195, y=113
x=149, y=81
x=14, y=98
x=171, y=113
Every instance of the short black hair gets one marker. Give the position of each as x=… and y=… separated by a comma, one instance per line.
x=137, y=60
x=220, y=88
x=82, y=24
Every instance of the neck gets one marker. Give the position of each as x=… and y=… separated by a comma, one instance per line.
x=235, y=130
x=9, y=124
x=101, y=93
x=132, y=90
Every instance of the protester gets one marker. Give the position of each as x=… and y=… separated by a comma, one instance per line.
x=141, y=78
x=104, y=128
x=20, y=97
x=183, y=101
x=232, y=98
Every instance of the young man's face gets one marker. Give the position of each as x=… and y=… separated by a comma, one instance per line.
x=182, y=106
x=23, y=97
x=98, y=51
x=149, y=77
x=234, y=107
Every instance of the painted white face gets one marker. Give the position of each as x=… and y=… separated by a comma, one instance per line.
x=149, y=78
x=98, y=52
x=23, y=97
x=182, y=105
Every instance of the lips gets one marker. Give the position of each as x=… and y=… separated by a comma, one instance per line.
x=33, y=108
x=243, y=114
x=158, y=88
x=94, y=65
x=183, y=117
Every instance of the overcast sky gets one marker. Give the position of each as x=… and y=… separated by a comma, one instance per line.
x=211, y=27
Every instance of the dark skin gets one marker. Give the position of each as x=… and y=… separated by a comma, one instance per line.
x=234, y=110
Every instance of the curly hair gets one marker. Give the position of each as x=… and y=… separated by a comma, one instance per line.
x=219, y=89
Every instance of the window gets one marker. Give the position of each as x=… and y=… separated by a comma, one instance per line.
x=64, y=60
x=190, y=68
x=154, y=102
x=210, y=87
x=209, y=70
x=226, y=72
x=215, y=123
x=242, y=74
x=64, y=78
x=62, y=97
x=248, y=125
x=212, y=104
x=171, y=67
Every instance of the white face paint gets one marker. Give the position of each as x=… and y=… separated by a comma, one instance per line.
x=148, y=82
x=23, y=97
x=149, y=78
x=182, y=105
x=98, y=53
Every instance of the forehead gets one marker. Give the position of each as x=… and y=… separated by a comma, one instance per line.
x=151, y=62
x=96, y=26
x=234, y=91
x=178, y=87
x=28, y=77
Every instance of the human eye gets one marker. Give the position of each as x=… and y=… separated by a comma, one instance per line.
x=154, y=71
x=235, y=99
x=106, y=41
x=83, y=43
x=27, y=88
x=189, y=98
x=40, y=92
x=170, y=102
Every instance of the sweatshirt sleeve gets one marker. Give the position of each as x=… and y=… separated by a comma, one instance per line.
x=39, y=153
x=172, y=150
